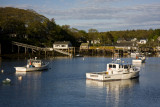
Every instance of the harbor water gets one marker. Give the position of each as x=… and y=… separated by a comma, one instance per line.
x=64, y=85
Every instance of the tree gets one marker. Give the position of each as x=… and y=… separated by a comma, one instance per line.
x=92, y=34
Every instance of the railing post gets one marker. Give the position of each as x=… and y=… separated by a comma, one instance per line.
x=0, y=48
x=18, y=49
x=74, y=51
x=25, y=50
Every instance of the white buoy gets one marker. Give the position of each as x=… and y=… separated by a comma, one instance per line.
x=19, y=77
x=83, y=59
x=2, y=70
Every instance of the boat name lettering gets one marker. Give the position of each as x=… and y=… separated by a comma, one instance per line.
x=107, y=77
x=94, y=75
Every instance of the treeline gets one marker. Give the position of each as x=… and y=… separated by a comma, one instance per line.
x=28, y=26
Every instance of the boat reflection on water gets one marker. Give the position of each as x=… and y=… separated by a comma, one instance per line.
x=30, y=83
x=138, y=64
x=20, y=73
x=0, y=63
x=28, y=76
x=115, y=90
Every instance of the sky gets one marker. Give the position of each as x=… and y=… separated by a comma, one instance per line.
x=103, y=15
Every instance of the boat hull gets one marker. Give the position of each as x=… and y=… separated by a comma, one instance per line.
x=138, y=61
x=102, y=76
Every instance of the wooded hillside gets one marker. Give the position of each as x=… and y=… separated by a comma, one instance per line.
x=28, y=26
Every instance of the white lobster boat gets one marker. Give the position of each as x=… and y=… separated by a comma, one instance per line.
x=33, y=65
x=115, y=71
x=139, y=59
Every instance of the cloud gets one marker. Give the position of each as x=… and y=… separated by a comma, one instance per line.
x=103, y=13
x=102, y=17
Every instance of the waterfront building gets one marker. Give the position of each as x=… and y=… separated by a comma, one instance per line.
x=62, y=45
x=84, y=46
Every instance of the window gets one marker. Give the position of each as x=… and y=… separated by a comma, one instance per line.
x=125, y=66
x=114, y=66
x=63, y=45
x=57, y=46
x=110, y=66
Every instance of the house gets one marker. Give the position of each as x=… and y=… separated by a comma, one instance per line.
x=62, y=45
x=94, y=41
x=13, y=35
x=134, y=39
x=84, y=46
x=142, y=41
x=128, y=45
x=120, y=40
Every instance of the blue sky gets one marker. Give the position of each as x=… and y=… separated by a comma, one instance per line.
x=103, y=15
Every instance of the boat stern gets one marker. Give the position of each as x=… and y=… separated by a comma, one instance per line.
x=20, y=69
x=95, y=76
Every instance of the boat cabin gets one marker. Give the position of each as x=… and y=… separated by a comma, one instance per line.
x=34, y=63
x=62, y=45
x=115, y=68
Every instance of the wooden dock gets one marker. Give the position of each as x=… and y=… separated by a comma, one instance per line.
x=36, y=48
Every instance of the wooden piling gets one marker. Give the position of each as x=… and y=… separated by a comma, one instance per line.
x=0, y=49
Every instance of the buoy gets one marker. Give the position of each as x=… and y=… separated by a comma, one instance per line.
x=19, y=77
x=2, y=70
x=6, y=81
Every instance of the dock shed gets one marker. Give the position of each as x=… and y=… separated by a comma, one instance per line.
x=62, y=45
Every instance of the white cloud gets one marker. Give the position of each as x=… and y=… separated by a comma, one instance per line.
x=103, y=17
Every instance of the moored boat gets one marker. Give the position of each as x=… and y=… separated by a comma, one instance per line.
x=33, y=65
x=115, y=71
x=139, y=59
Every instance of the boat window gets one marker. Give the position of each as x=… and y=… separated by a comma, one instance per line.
x=114, y=66
x=110, y=66
x=125, y=66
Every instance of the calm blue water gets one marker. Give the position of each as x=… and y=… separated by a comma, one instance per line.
x=64, y=85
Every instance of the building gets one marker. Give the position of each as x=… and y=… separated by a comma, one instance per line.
x=94, y=41
x=62, y=45
x=134, y=39
x=127, y=45
x=84, y=46
x=142, y=41
x=120, y=40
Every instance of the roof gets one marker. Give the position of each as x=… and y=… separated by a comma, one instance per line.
x=143, y=39
x=125, y=43
x=62, y=42
x=125, y=63
x=84, y=44
x=121, y=39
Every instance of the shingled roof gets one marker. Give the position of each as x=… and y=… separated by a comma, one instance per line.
x=125, y=43
x=62, y=42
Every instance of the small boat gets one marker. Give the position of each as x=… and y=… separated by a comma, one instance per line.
x=6, y=81
x=79, y=55
x=115, y=71
x=139, y=59
x=33, y=65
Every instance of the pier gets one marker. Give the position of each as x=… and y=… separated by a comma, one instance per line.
x=69, y=52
